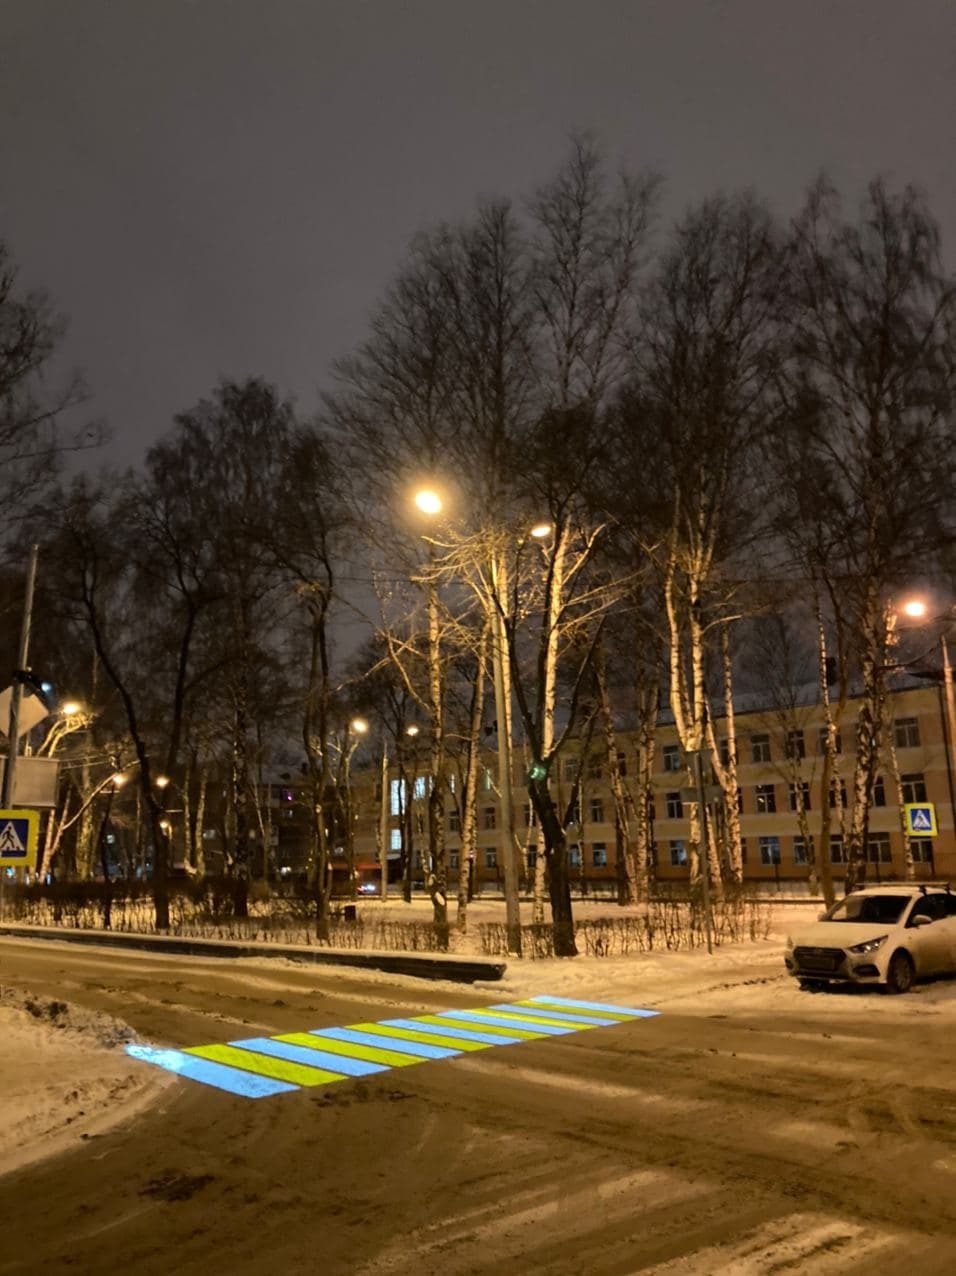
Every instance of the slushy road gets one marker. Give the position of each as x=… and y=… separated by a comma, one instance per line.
x=794, y=1132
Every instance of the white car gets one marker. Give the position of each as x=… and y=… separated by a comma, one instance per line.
x=887, y=935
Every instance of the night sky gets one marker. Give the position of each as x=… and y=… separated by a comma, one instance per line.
x=224, y=187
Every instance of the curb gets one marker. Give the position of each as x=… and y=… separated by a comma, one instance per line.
x=462, y=970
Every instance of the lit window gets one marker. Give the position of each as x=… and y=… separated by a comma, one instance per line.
x=396, y=797
x=421, y=788
x=395, y=840
x=769, y=850
x=574, y=856
x=599, y=855
x=765, y=799
x=678, y=854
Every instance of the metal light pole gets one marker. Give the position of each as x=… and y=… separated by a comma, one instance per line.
x=16, y=691
x=499, y=650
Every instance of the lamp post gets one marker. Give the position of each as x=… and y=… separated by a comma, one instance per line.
x=430, y=503
x=916, y=609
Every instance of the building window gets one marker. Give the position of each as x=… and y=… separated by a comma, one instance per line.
x=596, y=807
x=527, y=815
x=723, y=749
x=453, y=859
x=765, y=799
x=743, y=850
x=594, y=767
x=574, y=814
x=417, y=862
x=532, y=857
x=799, y=851
x=395, y=840
x=622, y=765
x=599, y=855
x=879, y=792
x=914, y=787
x=574, y=856
x=487, y=780
x=488, y=817
x=921, y=849
x=878, y=849
x=671, y=755
x=906, y=733
x=800, y=796
x=769, y=850
x=837, y=850
x=837, y=792
x=760, y=748
x=675, y=808
x=838, y=742
x=678, y=854
x=796, y=745
x=421, y=788
x=491, y=857
x=570, y=769
x=454, y=821
x=396, y=802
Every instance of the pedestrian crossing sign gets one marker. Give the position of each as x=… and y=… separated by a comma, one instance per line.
x=18, y=839
x=920, y=819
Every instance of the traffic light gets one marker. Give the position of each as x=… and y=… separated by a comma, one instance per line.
x=34, y=685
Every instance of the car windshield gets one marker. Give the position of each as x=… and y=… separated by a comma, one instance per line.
x=868, y=908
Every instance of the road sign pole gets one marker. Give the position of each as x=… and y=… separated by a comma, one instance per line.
x=16, y=691
x=9, y=771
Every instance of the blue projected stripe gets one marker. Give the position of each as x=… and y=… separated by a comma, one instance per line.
x=248, y=1084
x=462, y=1034
x=311, y=1058
x=475, y=1016
x=599, y=1005
x=326, y=1055
x=418, y=1048
x=584, y=1020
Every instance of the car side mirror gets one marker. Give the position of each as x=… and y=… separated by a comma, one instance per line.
x=922, y=920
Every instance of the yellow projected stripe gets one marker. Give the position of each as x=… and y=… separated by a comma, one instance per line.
x=492, y=1029
x=351, y=1050
x=554, y=1023
x=265, y=1065
x=576, y=1011
x=427, y=1038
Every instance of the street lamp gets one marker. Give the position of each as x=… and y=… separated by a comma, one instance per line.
x=429, y=502
x=917, y=609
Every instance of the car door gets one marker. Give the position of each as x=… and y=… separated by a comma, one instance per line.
x=931, y=945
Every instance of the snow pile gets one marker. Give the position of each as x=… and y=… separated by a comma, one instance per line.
x=64, y=1079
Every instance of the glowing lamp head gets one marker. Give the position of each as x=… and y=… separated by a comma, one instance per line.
x=71, y=708
x=915, y=608
x=161, y=781
x=541, y=530
x=428, y=501
x=412, y=730
x=359, y=726
x=119, y=779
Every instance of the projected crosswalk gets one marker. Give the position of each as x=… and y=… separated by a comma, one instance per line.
x=258, y=1067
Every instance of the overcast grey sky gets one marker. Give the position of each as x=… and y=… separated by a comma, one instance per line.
x=223, y=187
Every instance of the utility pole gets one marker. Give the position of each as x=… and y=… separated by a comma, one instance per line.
x=383, y=827
x=16, y=691
x=499, y=650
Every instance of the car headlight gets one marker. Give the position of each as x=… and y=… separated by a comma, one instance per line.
x=868, y=946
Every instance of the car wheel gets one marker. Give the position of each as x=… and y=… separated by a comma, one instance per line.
x=812, y=985
x=900, y=973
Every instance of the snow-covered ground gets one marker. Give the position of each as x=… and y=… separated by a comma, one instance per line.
x=64, y=1068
